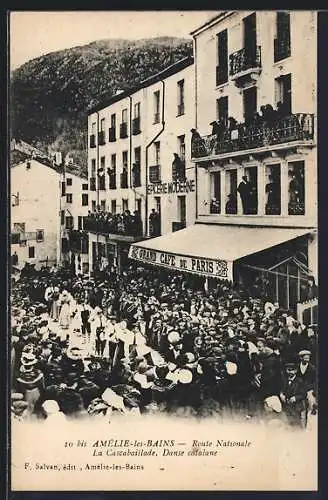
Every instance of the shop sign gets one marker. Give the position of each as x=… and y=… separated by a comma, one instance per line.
x=197, y=265
x=187, y=186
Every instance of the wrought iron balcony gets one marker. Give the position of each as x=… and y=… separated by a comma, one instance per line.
x=154, y=174
x=92, y=141
x=281, y=49
x=136, y=126
x=112, y=134
x=244, y=59
x=78, y=241
x=123, y=130
x=111, y=224
x=296, y=208
x=101, y=138
x=295, y=127
x=177, y=226
x=221, y=75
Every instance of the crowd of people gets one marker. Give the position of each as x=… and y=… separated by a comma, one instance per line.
x=124, y=223
x=152, y=341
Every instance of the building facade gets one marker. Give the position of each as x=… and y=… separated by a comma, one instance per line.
x=139, y=159
x=48, y=206
x=255, y=145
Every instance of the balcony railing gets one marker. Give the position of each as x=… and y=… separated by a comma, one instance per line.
x=136, y=126
x=78, y=241
x=124, y=180
x=112, y=225
x=281, y=49
x=295, y=127
x=221, y=75
x=123, y=130
x=112, y=134
x=92, y=184
x=92, y=141
x=176, y=226
x=154, y=173
x=296, y=208
x=101, y=138
x=244, y=59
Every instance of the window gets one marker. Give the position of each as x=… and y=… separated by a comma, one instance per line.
x=85, y=187
x=157, y=152
x=113, y=120
x=282, y=41
x=124, y=115
x=69, y=181
x=62, y=217
x=250, y=103
x=137, y=110
x=93, y=128
x=273, y=190
x=136, y=168
x=284, y=93
x=223, y=110
x=215, y=203
x=250, y=39
x=112, y=129
x=113, y=207
x=93, y=135
x=93, y=167
x=102, y=124
x=101, y=134
x=182, y=147
x=63, y=189
x=181, y=87
x=112, y=172
x=125, y=204
x=231, y=192
x=39, y=235
x=222, y=58
x=248, y=191
x=182, y=208
x=113, y=161
x=157, y=106
x=69, y=222
x=103, y=205
x=85, y=200
x=69, y=198
x=80, y=222
x=296, y=188
x=125, y=158
x=102, y=162
x=93, y=205
x=137, y=155
x=31, y=252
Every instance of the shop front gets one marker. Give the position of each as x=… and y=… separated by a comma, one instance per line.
x=270, y=261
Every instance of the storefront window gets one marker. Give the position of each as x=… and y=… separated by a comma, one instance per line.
x=215, y=206
x=231, y=192
x=296, y=188
x=273, y=190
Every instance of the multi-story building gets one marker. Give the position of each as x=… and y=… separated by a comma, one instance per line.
x=254, y=147
x=139, y=160
x=48, y=204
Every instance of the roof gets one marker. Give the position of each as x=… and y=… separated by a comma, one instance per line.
x=212, y=20
x=165, y=73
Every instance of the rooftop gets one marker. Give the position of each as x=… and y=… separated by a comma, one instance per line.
x=165, y=73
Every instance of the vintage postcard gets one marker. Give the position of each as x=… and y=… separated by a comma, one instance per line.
x=164, y=274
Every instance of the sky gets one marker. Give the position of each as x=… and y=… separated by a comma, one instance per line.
x=33, y=34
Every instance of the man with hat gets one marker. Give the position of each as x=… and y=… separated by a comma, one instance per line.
x=293, y=396
x=307, y=372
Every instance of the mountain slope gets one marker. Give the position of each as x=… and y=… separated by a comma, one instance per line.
x=50, y=95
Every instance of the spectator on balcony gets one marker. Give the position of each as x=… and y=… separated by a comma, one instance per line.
x=282, y=110
x=232, y=123
x=178, y=168
x=14, y=259
x=231, y=205
x=127, y=221
x=273, y=192
x=137, y=223
x=136, y=175
x=198, y=146
x=294, y=188
x=154, y=223
x=218, y=128
x=215, y=206
x=245, y=190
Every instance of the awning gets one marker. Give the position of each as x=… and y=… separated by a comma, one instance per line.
x=210, y=249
